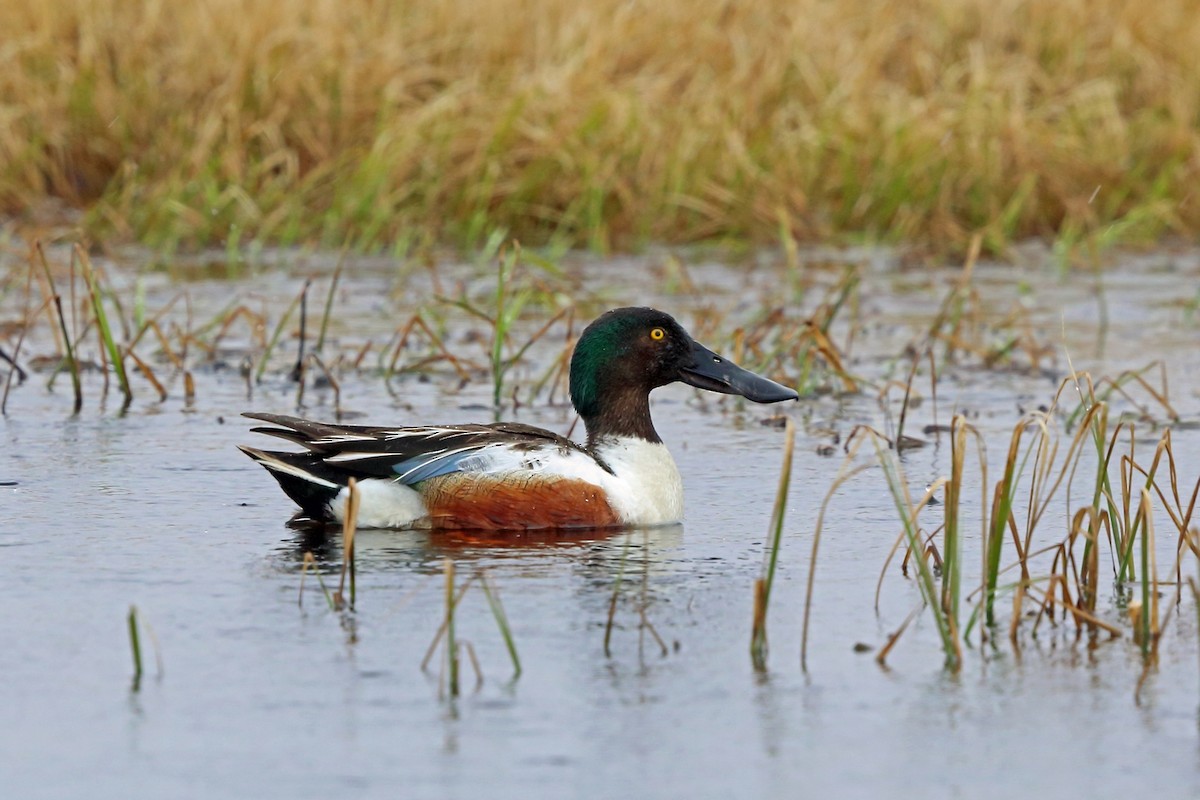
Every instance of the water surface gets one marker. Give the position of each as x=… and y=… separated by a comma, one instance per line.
x=260, y=697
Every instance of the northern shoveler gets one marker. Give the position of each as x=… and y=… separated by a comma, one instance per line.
x=513, y=476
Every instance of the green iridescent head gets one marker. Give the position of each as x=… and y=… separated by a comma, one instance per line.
x=627, y=352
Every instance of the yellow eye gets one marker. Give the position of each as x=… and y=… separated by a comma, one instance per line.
x=658, y=334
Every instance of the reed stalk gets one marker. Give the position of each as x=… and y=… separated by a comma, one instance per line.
x=1001, y=512
x=1148, y=619
x=115, y=355
x=68, y=347
x=349, y=526
x=72, y=363
x=763, y=585
x=502, y=623
x=274, y=340
x=951, y=536
x=451, y=642
x=926, y=583
x=508, y=307
x=846, y=471
x=297, y=373
x=328, y=313
x=135, y=647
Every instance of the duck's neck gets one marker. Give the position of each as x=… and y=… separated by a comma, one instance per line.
x=626, y=413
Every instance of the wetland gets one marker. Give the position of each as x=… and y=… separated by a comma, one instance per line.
x=635, y=670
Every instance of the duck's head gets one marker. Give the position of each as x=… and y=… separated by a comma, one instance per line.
x=627, y=352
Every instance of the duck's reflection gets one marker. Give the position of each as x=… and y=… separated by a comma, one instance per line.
x=617, y=576
x=599, y=553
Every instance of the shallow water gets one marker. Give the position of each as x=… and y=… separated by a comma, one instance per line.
x=259, y=697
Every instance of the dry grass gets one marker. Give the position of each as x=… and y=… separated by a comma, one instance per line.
x=605, y=124
x=1054, y=571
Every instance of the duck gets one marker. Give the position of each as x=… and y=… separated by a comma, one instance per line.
x=513, y=476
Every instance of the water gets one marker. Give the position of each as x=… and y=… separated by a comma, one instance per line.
x=260, y=697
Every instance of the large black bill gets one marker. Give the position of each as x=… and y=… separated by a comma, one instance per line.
x=710, y=371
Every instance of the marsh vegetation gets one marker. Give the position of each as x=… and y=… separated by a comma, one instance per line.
x=392, y=126
x=977, y=488
x=406, y=214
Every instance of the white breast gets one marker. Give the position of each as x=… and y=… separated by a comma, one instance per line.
x=646, y=488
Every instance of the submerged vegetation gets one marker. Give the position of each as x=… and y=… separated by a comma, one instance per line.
x=377, y=125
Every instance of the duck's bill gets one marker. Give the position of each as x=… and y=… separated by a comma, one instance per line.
x=715, y=373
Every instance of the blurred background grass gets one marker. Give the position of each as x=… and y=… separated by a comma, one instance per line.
x=607, y=124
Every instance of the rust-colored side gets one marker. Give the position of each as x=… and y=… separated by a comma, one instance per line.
x=515, y=502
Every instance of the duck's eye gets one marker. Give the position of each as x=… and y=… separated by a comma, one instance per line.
x=658, y=334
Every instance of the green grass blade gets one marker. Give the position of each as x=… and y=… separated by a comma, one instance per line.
x=502, y=623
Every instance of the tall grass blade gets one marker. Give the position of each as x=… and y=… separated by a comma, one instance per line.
x=845, y=472
x=68, y=347
x=333, y=284
x=926, y=583
x=451, y=641
x=951, y=547
x=115, y=356
x=1001, y=512
x=274, y=340
x=502, y=623
x=762, y=586
x=72, y=363
x=349, y=526
x=135, y=647
x=1148, y=619
x=298, y=370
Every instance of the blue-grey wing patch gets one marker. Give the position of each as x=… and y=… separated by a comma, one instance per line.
x=432, y=464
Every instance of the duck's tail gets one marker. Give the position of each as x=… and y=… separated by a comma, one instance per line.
x=304, y=477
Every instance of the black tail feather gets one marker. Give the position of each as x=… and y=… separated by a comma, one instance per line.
x=303, y=477
x=295, y=429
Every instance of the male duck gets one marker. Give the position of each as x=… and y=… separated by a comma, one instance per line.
x=514, y=476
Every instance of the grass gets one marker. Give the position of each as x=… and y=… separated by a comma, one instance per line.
x=65, y=339
x=1053, y=574
x=514, y=289
x=226, y=123
x=135, y=647
x=502, y=624
x=776, y=342
x=529, y=304
x=1057, y=569
x=166, y=337
x=763, y=585
x=931, y=597
x=134, y=623
x=452, y=643
x=349, y=526
x=104, y=330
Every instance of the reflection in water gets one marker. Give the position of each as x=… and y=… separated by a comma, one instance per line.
x=619, y=572
x=424, y=550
